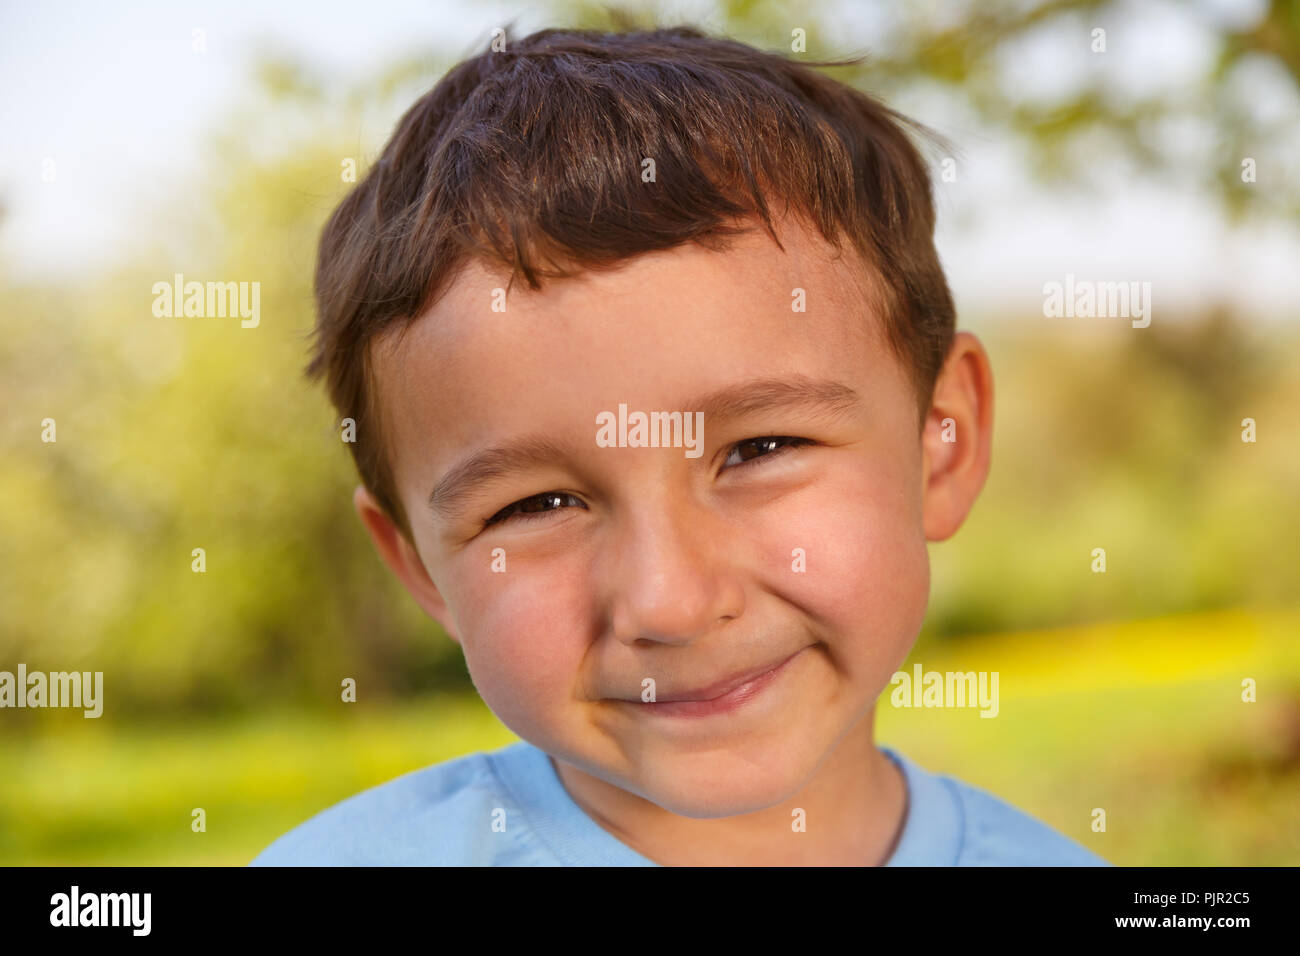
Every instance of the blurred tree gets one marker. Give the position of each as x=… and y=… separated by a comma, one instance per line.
x=1031, y=71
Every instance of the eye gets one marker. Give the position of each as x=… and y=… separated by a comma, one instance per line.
x=757, y=450
x=529, y=509
x=751, y=451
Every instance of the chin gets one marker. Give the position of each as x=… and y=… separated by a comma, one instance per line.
x=720, y=784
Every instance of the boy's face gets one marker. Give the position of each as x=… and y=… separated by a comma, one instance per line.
x=572, y=573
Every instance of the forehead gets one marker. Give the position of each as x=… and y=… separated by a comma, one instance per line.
x=652, y=331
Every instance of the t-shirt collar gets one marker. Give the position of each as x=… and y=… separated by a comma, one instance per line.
x=932, y=826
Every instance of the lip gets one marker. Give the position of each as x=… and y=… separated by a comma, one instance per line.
x=720, y=697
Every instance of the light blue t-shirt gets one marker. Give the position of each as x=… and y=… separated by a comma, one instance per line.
x=442, y=816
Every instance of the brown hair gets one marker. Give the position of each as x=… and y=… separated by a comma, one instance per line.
x=533, y=158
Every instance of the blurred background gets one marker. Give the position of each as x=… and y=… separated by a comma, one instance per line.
x=212, y=140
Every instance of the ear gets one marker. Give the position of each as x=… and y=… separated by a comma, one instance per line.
x=403, y=560
x=957, y=438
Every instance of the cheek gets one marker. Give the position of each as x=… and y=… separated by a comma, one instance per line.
x=867, y=576
x=523, y=636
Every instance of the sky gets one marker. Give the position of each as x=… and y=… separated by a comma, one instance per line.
x=106, y=106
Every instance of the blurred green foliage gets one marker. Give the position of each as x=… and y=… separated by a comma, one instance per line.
x=1132, y=442
x=175, y=434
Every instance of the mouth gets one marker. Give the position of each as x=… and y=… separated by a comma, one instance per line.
x=719, y=697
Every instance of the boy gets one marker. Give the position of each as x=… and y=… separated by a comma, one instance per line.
x=671, y=494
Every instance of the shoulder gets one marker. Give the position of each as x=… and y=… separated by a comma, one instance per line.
x=998, y=834
x=951, y=823
x=440, y=815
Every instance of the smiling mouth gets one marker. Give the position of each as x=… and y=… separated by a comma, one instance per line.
x=720, y=697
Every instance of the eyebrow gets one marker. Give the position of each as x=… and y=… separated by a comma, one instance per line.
x=768, y=394
x=464, y=480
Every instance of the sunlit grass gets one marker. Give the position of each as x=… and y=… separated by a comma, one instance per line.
x=102, y=795
x=1144, y=720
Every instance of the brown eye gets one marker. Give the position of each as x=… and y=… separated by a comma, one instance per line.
x=768, y=446
x=535, y=507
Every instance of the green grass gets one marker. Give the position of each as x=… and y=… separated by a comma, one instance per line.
x=101, y=795
x=1144, y=720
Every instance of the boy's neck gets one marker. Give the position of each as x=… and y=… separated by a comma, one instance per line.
x=855, y=806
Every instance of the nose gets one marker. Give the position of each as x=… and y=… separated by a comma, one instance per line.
x=668, y=575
